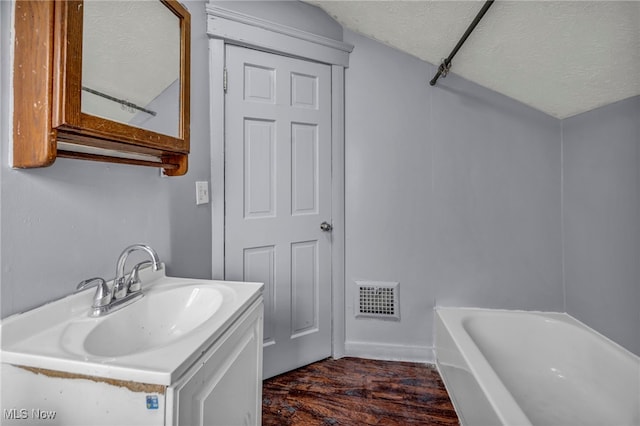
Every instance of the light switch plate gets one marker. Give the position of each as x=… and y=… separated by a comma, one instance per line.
x=202, y=192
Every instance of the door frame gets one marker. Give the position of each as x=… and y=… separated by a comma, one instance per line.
x=226, y=26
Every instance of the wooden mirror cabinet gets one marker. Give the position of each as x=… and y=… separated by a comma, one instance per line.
x=52, y=116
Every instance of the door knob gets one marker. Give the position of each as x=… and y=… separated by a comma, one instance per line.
x=326, y=227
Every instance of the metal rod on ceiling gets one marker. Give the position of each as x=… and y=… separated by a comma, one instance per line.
x=445, y=66
x=122, y=102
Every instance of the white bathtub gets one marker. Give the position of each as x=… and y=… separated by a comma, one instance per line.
x=529, y=368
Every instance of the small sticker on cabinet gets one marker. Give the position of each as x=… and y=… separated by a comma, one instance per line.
x=152, y=402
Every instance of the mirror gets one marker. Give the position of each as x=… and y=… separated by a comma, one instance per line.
x=131, y=64
x=102, y=80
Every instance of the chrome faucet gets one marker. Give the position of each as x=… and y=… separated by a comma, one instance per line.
x=124, y=291
x=103, y=294
x=133, y=282
x=121, y=285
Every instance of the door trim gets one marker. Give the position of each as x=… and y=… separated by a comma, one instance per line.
x=256, y=33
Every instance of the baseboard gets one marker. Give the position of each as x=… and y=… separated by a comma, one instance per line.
x=389, y=352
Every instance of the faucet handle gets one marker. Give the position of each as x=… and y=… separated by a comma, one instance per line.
x=103, y=294
x=133, y=283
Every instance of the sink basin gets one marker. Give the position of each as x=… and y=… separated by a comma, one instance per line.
x=157, y=319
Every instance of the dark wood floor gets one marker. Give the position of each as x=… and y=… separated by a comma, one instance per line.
x=353, y=391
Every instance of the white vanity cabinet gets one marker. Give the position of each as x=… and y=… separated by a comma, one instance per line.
x=210, y=376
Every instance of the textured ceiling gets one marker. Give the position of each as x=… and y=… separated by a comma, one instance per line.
x=131, y=51
x=561, y=57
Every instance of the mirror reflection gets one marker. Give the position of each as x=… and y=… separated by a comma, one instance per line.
x=131, y=64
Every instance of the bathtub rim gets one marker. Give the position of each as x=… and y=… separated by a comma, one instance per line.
x=564, y=317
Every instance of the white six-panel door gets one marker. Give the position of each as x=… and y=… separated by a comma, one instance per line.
x=278, y=192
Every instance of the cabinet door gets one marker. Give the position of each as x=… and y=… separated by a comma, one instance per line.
x=226, y=388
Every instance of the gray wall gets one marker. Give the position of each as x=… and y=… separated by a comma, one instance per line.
x=453, y=190
x=601, y=164
x=70, y=221
x=167, y=108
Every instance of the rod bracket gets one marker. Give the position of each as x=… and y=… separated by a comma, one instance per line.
x=445, y=67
